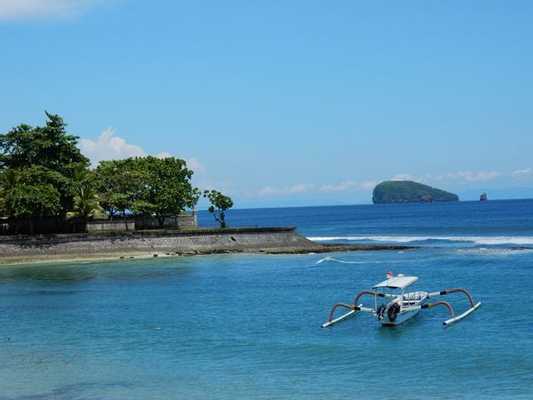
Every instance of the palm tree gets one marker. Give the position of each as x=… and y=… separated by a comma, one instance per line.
x=85, y=196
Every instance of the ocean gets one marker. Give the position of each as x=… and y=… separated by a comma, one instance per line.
x=248, y=326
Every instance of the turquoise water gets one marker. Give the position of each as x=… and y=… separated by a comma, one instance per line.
x=248, y=326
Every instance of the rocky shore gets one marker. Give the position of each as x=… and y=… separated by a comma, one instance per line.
x=165, y=243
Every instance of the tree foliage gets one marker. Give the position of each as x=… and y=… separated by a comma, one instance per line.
x=38, y=169
x=86, y=203
x=146, y=185
x=44, y=174
x=31, y=192
x=166, y=188
x=220, y=203
x=118, y=184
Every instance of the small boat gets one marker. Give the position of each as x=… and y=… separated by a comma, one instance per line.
x=393, y=306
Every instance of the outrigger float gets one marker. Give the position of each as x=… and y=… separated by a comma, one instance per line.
x=395, y=306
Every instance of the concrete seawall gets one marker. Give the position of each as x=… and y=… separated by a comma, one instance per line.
x=22, y=249
x=150, y=242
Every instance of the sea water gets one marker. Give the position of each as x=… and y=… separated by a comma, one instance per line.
x=248, y=326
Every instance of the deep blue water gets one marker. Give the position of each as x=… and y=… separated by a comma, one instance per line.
x=509, y=218
x=248, y=326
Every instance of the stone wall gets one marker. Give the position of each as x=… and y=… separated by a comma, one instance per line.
x=182, y=221
x=110, y=226
x=202, y=241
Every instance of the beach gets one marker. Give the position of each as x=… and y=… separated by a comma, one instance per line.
x=166, y=243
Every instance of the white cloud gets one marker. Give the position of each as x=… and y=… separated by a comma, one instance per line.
x=519, y=173
x=452, y=177
x=348, y=185
x=108, y=146
x=300, y=188
x=280, y=191
x=368, y=185
x=21, y=9
x=474, y=176
x=268, y=191
x=195, y=165
x=403, y=177
x=163, y=154
x=338, y=187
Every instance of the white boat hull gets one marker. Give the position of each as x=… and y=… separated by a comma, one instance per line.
x=400, y=318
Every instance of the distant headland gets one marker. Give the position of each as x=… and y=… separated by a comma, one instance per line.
x=409, y=192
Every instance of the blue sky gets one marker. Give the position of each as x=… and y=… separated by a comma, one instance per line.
x=285, y=102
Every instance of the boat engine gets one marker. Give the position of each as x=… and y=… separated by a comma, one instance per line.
x=393, y=311
x=380, y=312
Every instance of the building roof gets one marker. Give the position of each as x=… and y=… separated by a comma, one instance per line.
x=397, y=282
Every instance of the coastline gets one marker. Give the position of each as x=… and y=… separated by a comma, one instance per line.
x=101, y=247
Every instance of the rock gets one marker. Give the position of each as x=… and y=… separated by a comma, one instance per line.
x=409, y=192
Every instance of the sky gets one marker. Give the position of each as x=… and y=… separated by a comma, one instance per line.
x=285, y=103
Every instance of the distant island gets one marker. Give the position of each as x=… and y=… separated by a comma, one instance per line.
x=409, y=192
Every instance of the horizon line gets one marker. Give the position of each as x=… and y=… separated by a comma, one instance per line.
x=372, y=204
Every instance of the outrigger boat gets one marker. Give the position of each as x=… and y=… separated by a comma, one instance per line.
x=395, y=306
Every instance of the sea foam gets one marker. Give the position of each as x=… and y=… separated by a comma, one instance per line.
x=338, y=260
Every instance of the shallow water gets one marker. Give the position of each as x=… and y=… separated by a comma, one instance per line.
x=248, y=326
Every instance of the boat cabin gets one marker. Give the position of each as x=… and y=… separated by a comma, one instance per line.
x=397, y=285
x=397, y=282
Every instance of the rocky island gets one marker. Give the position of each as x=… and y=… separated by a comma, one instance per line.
x=409, y=192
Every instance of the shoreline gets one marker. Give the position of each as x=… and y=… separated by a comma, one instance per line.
x=130, y=256
x=138, y=245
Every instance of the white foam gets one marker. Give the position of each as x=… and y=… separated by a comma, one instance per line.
x=482, y=240
x=332, y=259
x=484, y=251
x=338, y=260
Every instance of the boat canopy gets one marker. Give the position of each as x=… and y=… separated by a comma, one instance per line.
x=397, y=282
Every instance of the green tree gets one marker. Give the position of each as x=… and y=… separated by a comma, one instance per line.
x=166, y=188
x=146, y=185
x=30, y=193
x=52, y=155
x=118, y=183
x=220, y=203
x=193, y=198
x=85, y=197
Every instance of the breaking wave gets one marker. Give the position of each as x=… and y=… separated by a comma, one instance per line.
x=337, y=260
x=485, y=251
x=340, y=261
x=478, y=240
